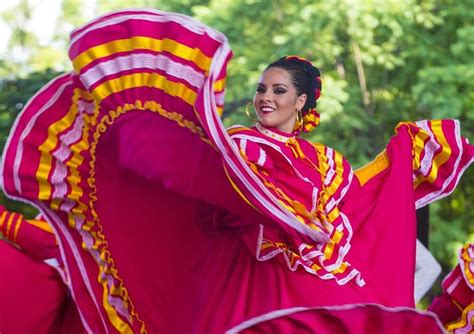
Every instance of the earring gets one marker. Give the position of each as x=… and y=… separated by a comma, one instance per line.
x=299, y=120
x=247, y=112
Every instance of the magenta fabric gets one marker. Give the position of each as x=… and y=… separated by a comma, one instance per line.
x=358, y=319
x=33, y=297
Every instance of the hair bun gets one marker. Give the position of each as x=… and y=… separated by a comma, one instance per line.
x=314, y=75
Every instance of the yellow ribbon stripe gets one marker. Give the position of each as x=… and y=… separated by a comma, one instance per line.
x=120, y=325
x=140, y=42
x=337, y=180
x=373, y=168
x=330, y=190
x=153, y=80
x=41, y=224
x=462, y=322
x=9, y=224
x=418, y=141
x=219, y=85
x=73, y=164
x=17, y=228
x=50, y=144
x=465, y=257
x=2, y=218
x=441, y=158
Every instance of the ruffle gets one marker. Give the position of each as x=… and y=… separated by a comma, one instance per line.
x=466, y=262
x=440, y=157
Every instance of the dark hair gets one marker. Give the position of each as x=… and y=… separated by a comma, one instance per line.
x=304, y=76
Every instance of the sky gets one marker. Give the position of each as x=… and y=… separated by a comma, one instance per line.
x=43, y=21
x=45, y=14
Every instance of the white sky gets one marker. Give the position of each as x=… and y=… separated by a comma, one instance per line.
x=45, y=14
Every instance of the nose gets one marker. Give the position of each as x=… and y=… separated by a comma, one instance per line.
x=267, y=95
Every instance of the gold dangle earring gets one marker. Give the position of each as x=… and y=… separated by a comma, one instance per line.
x=299, y=120
x=247, y=112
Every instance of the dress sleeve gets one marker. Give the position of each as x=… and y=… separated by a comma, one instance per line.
x=254, y=153
x=440, y=156
x=33, y=236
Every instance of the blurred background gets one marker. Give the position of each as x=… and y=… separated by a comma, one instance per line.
x=382, y=62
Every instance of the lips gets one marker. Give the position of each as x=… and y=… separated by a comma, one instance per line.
x=267, y=109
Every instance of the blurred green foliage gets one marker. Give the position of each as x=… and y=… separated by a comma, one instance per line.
x=382, y=62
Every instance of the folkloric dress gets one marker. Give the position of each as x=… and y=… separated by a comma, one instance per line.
x=167, y=222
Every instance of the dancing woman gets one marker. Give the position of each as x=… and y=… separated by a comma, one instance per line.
x=167, y=222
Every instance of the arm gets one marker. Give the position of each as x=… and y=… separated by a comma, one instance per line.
x=33, y=236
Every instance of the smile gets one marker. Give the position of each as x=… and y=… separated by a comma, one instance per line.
x=267, y=110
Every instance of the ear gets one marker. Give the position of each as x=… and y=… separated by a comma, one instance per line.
x=301, y=101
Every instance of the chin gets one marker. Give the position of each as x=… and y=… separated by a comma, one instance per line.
x=267, y=123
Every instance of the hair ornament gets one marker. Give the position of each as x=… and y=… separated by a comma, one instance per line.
x=311, y=120
x=317, y=94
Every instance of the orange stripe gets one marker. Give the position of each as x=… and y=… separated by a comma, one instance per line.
x=236, y=130
x=369, y=171
x=467, y=260
x=441, y=158
x=9, y=224
x=2, y=219
x=17, y=227
x=41, y=224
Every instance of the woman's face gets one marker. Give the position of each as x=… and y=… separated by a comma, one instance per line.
x=276, y=100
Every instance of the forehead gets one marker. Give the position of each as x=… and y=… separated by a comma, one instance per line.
x=275, y=76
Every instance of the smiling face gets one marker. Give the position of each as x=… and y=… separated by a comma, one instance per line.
x=276, y=100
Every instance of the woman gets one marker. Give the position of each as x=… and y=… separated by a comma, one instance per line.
x=166, y=222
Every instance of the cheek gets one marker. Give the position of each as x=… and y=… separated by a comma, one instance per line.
x=287, y=105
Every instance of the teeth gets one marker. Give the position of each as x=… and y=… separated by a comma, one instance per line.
x=267, y=109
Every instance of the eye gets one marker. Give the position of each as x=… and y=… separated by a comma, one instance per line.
x=260, y=89
x=279, y=91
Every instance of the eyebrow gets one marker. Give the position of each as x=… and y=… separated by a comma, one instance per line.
x=274, y=85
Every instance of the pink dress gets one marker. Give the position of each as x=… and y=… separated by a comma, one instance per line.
x=166, y=222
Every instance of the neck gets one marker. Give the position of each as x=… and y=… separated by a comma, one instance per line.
x=274, y=133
